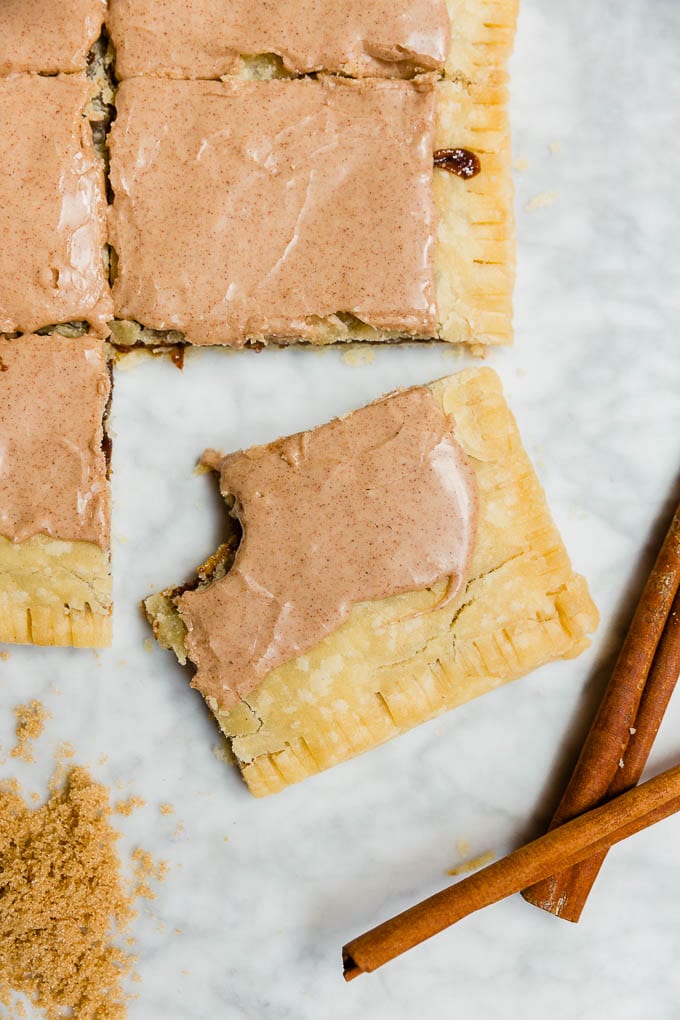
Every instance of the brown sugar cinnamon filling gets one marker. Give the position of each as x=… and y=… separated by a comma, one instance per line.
x=461, y=162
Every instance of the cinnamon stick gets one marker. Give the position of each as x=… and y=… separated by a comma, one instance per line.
x=622, y=734
x=591, y=833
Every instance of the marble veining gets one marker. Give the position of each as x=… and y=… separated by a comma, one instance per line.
x=264, y=893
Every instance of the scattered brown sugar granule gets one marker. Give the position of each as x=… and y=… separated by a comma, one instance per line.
x=167, y=809
x=146, y=869
x=62, y=901
x=31, y=719
x=126, y=807
x=65, y=751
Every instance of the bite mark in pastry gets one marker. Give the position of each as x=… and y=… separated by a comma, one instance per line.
x=400, y=657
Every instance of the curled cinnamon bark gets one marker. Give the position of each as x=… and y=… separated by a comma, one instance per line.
x=621, y=737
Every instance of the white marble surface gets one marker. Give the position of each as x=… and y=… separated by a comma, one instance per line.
x=266, y=892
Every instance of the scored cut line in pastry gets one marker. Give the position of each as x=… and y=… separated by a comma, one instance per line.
x=397, y=660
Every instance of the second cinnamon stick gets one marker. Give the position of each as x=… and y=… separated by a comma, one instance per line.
x=591, y=833
x=622, y=734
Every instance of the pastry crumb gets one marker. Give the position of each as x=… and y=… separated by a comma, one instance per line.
x=63, y=902
x=167, y=809
x=126, y=807
x=543, y=199
x=30, y=723
x=358, y=355
x=4, y=656
x=65, y=751
x=473, y=864
x=223, y=753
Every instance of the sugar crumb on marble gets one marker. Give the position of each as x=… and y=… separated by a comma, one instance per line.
x=65, y=751
x=147, y=869
x=30, y=723
x=130, y=804
x=167, y=809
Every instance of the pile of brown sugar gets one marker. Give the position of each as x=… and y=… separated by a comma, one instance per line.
x=62, y=901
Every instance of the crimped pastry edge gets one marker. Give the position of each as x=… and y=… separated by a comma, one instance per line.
x=54, y=593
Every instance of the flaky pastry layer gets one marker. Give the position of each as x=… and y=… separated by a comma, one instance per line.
x=54, y=593
x=399, y=661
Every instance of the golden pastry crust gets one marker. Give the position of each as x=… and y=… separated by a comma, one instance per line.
x=54, y=593
x=482, y=36
x=475, y=254
x=399, y=661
